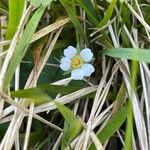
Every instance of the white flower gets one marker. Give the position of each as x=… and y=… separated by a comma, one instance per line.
x=77, y=63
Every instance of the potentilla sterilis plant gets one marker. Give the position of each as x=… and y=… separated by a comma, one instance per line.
x=78, y=63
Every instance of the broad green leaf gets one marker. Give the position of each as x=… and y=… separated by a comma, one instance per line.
x=112, y=126
x=23, y=43
x=129, y=53
x=90, y=11
x=16, y=8
x=108, y=13
x=36, y=95
x=72, y=125
x=70, y=9
x=38, y=3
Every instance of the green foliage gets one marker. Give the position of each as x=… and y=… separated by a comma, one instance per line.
x=16, y=8
x=23, y=43
x=72, y=125
x=36, y=95
x=38, y=3
x=112, y=125
x=129, y=53
x=70, y=9
x=108, y=14
x=90, y=11
x=129, y=128
x=87, y=28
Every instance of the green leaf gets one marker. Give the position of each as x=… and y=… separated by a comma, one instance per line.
x=112, y=125
x=129, y=128
x=72, y=125
x=37, y=3
x=108, y=14
x=16, y=8
x=90, y=11
x=23, y=43
x=70, y=9
x=60, y=88
x=50, y=89
x=36, y=95
x=129, y=53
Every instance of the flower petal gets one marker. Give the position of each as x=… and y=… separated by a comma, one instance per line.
x=65, y=60
x=88, y=69
x=65, y=64
x=70, y=51
x=77, y=74
x=86, y=54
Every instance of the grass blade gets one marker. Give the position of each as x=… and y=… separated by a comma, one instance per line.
x=16, y=8
x=129, y=53
x=23, y=43
x=70, y=9
x=108, y=14
x=72, y=125
x=90, y=11
x=36, y=95
x=112, y=126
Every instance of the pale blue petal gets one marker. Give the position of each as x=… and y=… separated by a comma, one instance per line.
x=86, y=54
x=65, y=64
x=70, y=52
x=65, y=60
x=88, y=69
x=77, y=74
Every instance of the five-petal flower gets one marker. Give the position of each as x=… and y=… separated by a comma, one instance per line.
x=77, y=63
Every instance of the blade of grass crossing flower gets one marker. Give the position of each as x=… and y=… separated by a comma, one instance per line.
x=72, y=125
x=129, y=53
x=23, y=43
x=16, y=8
x=112, y=126
x=108, y=14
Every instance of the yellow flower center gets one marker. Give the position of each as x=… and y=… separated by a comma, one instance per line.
x=76, y=62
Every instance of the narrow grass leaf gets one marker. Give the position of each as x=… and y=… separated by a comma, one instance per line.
x=72, y=125
x=129, y=128
x=108, y=13
x=60, y=88
x=16, y=8
x=23, y=43
x=50, y=89
x=36, y=95
x=37, y=3
x=90, y=11
x=70, y=9
x=112, y=126
x=129, y=53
